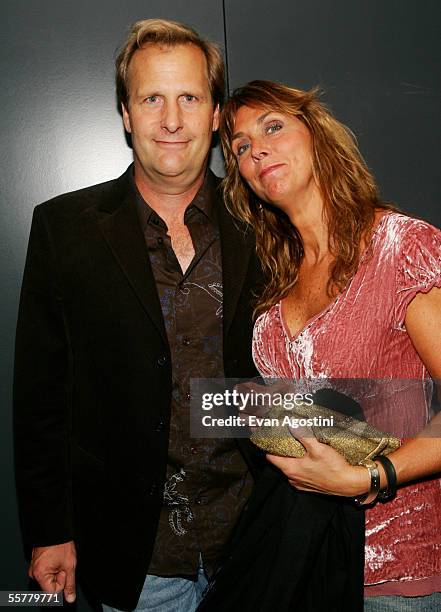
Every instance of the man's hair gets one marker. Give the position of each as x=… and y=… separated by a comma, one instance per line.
x=347, y=186
x=168, y=34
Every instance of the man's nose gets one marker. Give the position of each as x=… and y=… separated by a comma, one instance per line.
x=171, y=117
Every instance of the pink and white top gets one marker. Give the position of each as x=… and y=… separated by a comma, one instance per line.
x=361, y=334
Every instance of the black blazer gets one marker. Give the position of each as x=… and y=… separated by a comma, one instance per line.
x=93, y=381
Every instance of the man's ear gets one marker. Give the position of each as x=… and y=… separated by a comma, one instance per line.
x=216, y=115
x=126, y=118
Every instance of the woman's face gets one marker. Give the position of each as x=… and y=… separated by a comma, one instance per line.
x=274, y=155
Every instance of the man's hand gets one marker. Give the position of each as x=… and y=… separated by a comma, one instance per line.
x=53, y=567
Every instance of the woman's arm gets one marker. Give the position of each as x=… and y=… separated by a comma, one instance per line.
x=324, y=469
x=421, y=456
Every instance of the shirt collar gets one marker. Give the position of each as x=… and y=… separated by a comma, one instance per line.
x=204, y=201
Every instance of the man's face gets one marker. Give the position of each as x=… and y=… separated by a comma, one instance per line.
x=170, y=115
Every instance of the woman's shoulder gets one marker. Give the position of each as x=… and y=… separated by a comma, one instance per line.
x=400, y=224
x=399, y=235
x=415, y=254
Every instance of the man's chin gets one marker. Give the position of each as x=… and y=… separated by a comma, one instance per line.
x=180, y=169
x=174, y=171
x=173, y=165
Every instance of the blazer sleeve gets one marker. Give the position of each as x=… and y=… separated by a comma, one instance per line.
x=42, y=398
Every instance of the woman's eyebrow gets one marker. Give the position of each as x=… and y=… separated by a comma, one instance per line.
x=260, y=119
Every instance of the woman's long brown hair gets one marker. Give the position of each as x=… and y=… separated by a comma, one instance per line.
x=348, y=188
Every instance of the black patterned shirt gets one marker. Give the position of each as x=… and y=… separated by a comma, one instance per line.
x=207, y=479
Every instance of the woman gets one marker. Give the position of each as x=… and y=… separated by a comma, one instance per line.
x=353, y=292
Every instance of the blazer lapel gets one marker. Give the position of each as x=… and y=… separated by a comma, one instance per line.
x=118, y=222
x=236, y=244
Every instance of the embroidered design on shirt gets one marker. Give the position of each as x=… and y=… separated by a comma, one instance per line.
x=214, y=290
x=179, y=504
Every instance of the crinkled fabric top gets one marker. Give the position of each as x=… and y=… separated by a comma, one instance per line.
x=361, y=334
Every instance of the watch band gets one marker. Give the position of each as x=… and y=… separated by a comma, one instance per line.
x=374, y=474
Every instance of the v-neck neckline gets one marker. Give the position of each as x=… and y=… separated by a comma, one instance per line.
x=309, y=322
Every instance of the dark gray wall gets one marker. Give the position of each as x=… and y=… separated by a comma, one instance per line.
x=379, y=63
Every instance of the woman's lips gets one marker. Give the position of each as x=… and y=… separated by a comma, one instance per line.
x=269, y=169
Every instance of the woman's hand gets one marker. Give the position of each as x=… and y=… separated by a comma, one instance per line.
x=322, y=470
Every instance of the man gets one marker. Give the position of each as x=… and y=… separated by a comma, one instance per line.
x=121, y=305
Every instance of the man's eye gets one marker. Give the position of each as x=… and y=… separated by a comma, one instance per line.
x=189, y=98
x=241, y=149
x=273, y=127
x=151, y=100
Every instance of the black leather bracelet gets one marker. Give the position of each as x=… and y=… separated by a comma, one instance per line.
x=391, y=475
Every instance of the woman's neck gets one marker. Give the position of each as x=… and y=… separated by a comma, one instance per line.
x=309, y=219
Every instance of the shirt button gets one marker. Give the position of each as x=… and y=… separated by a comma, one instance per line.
x=185, y=340
x=162, y=360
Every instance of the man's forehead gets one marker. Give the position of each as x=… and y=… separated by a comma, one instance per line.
x=152, y=61
x=186, y=52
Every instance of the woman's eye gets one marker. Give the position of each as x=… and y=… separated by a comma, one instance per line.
x=273, y=127
x=241, y=149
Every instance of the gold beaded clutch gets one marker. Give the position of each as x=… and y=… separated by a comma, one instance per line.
x=354, y=439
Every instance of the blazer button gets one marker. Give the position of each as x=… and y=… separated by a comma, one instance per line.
x=162, y=360
x=160, y=426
